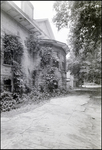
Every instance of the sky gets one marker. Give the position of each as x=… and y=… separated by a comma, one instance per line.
x=44, y=9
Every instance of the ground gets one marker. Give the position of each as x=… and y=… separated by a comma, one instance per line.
x=67, y=122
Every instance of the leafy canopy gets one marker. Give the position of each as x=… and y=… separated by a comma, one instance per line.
x=83, y=18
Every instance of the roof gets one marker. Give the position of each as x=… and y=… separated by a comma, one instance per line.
x=47, y=27
x=17, y=14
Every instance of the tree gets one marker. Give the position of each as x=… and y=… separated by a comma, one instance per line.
x=84, y=21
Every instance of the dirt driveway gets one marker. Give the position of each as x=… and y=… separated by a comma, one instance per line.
x=71, y=122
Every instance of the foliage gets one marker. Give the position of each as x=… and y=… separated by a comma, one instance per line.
x=17, y=78
x=45, y=53
x=7, y=102
x=22, y=93
x=62, y=14
x=50, y=80
x=46, y=56
x=14, y=49
x=84, y=21
x=32, y=44
x=36, y=95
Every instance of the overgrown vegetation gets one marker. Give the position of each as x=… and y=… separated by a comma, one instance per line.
x=13, y=49
x=46, y=66
x=13, y=52
x=9, y=101
x=48, y=69
x=32, y=45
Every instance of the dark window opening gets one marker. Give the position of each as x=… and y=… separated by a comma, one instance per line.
x=55, y=84
x=55, y=63
x=7, y=85
x=8, y=58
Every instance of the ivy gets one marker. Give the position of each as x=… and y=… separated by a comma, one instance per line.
x=13, y=51
x=48, y=65
x=45, y=53
x=46, y=56
x=32, y=45
x=17, y=77
x=13, y=48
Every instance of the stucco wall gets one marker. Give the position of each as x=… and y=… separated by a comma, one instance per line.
x=9, y=25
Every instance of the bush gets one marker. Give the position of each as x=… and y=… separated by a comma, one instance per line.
x=9, y=101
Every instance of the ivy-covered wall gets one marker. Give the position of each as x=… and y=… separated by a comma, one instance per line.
x=35, y=65
x=41, y=63
x=48, y=68
x=11, y=27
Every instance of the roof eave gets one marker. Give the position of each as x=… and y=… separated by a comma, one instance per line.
x=31, y=27
x=56, y=43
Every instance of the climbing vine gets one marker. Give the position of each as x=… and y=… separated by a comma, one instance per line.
x=13, y=48
x=32, y=45
x=45, y=70
x=50, y=79
x=46, y=56
x=13, y=51
x=46, y=63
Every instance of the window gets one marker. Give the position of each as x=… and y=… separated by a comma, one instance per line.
x=55, y=84
x=7, y=85
x=55, y=63
x=7, y=58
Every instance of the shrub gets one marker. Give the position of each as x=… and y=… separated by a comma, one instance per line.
x=9, y=101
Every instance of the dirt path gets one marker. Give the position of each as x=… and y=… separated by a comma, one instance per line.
x=71, y=122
